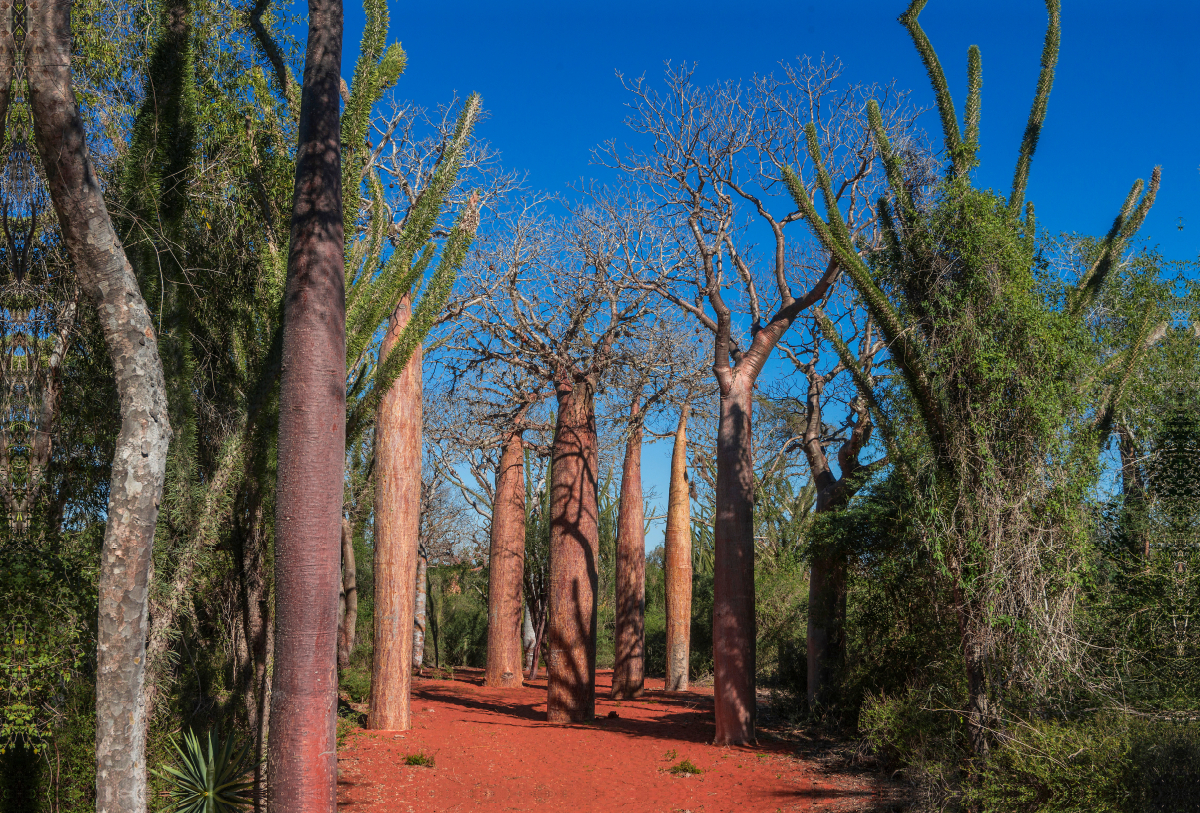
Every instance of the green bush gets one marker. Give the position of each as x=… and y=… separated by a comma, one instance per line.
x=919, y=735
x=1052, y=767
x=1165, y=761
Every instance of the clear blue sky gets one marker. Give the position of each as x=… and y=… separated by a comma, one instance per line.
x=1124, y=99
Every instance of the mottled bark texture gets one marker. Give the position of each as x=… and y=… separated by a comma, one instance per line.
x=139, y=464
x=733, y=583
x=678, y=543
x=349, y=598
x=506, y=566
x=302, y=752
x=574, y=552
x=419, y=619
x=397, y=530
x=629, y=670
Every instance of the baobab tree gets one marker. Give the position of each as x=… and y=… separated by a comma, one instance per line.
x=557, y=310
x=302, y=755
x=39, y=38
x=715, y=159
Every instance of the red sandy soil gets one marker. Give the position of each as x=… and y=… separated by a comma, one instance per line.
x=494, y=751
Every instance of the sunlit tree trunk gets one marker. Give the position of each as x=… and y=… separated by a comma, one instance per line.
x=421, y=586
x=397, y=533
x=139, y=463
x=506, y=565
x=733, y=583
x=302, y=752
x=349, y=621
x=679, y=564
x=574, y=554
x=629, y=672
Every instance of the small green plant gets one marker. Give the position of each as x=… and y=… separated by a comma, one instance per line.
x=420, y=759
x=670, y=755
x=687, y=768
x=209, y=778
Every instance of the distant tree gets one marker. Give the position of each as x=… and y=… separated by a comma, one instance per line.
x=716, y=161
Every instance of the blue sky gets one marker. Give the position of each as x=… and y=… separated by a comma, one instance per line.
x=1124, y=98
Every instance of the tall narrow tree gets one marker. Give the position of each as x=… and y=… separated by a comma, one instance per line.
x=397, y=526
x=506, y=565
x=302, y=753
x=678, y=544
x=629, y=670
x=139, y=464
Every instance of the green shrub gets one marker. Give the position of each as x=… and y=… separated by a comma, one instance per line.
x=1052, y=767
x=920, y=735
x=356, y=682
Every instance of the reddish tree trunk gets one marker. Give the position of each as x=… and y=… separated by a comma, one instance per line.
x=506, y=566
x=302, y=752
x=397, y=534
x=679, y=565
x=418, y=652
x=574, y=553
x=139, y=463
x=733, y=583
x=629, y=672
x=346, y=635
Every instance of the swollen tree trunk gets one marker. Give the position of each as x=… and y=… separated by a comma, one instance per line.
x=679, y=565
x=733, y=582
x=574, y=556
x=346, y=635
x=506, y=566
x=397, y=533
x=421, y=586
x=629, y=672
x=139, y=464
x=302, y=751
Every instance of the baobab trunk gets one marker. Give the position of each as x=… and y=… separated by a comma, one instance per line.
x=826, y=626
x=346, y=636
x=302, y=750
x=421, y=585
x=574, y=553
x=397, y=528
x=629, y=672
x=139, y=462
x=733, y=582
x=679, y=564
x=506, y=566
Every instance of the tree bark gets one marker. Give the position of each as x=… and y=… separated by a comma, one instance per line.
x=397, y=533
x=506, y=566
x=734, y=638
x=679, y=565
x=347, y=633
x=302, y=751
x=826, y=639
x=574, y=553
x=421, y=587
x=139, y=464
x=629, y=672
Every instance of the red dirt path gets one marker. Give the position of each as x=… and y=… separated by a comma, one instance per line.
x=494, y=751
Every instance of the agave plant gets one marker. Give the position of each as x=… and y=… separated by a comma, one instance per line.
x=208, y=780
